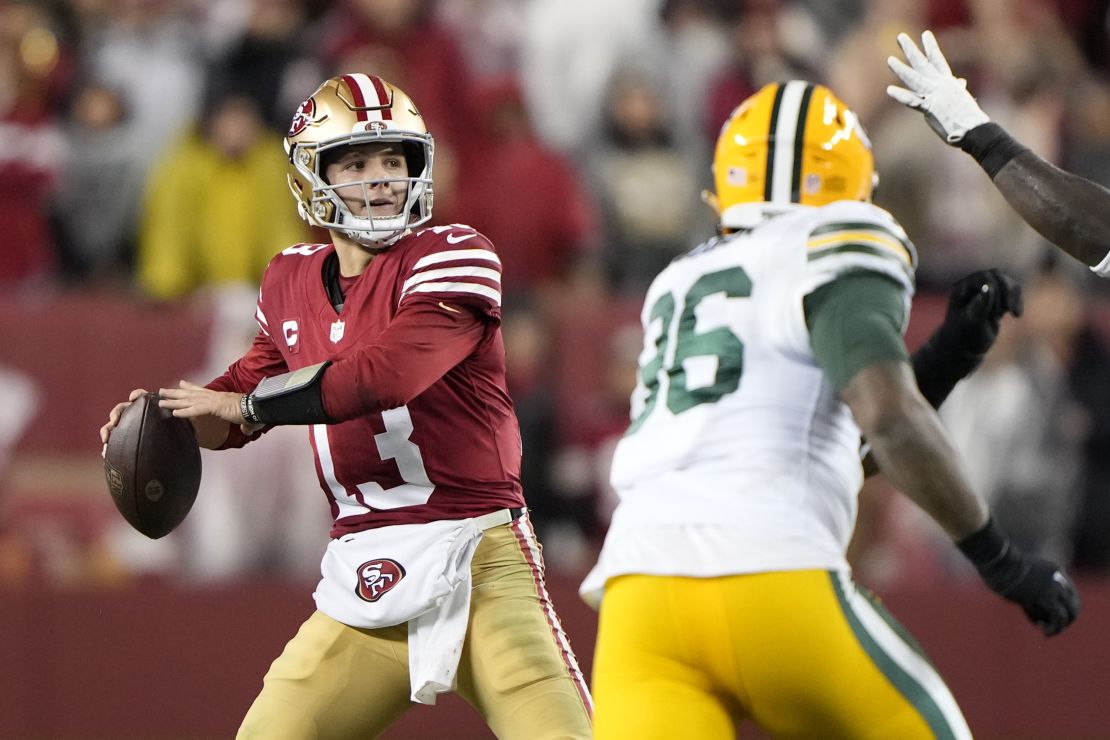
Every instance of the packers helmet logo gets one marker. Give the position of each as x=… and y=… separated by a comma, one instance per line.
x=377, y=577
x=305, y=115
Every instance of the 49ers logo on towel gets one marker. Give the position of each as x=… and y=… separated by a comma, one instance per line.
x=376, y=577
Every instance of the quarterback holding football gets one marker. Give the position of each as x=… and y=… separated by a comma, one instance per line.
x=386, y=344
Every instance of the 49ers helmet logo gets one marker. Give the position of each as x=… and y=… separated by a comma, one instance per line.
x=376, y=577
x=305, y=115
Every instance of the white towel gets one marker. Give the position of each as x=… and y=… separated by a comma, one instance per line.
x=415, y=573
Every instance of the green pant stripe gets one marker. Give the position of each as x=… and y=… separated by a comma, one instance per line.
x=907, y=684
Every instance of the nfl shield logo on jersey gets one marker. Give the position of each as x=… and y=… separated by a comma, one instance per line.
x=377, y=577
x=337, y=331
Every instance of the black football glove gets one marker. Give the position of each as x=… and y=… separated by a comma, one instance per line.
x=1039, y=586
x=976, y=305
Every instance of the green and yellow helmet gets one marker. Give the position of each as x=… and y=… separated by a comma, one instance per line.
x=792, y=143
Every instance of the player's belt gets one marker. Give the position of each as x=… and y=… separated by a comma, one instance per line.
x=499, y=517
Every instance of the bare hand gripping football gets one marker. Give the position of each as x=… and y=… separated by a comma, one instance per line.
x=152, y=466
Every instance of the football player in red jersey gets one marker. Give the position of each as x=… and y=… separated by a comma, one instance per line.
x=387, y=343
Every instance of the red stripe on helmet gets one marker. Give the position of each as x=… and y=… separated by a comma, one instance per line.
x=383, y=97
x=356, y=95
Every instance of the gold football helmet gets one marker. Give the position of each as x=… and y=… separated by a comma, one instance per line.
x=792, y=143
x=349, y=110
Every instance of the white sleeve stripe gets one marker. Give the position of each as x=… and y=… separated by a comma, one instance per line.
x=456, y=254
x=482, y=290
x=260, y=317
x=463, y=272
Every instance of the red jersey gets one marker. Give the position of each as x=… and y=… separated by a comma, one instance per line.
x=430, y=432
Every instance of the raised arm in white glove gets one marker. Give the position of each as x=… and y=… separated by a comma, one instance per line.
x=931, y=88
x=1068, y=210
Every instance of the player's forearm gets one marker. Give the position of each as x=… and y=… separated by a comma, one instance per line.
x=910, y=447
x=915, y=456
x=1067, y=210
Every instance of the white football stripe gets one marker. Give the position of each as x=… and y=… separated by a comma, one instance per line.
x=346, y=505
x=482, y=290
x=785, y=130
x=456, y=254
x=908, y=659
x=478, y=272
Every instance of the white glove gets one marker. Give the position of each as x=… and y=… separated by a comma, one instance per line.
x=948, y=107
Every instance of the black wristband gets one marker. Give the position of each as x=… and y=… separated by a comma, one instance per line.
x=939, y=364
x=991, y=147
x=246, y=408
x=986, y=547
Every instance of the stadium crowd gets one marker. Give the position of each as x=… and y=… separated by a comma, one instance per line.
x=141, y=153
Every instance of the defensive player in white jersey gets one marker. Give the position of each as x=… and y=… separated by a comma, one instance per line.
x=1068, y=210
x=387, y=341
x=724, y=588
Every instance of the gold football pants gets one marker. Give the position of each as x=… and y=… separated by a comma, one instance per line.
x=517, y=669
x=804, y=654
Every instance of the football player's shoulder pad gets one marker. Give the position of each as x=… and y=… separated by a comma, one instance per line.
x=454, y=263
x=849, y=236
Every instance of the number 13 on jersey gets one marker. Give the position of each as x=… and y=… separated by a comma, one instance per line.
x=688, y=364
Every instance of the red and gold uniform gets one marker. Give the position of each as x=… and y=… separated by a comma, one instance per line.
x=426, y=432
x=419, y=376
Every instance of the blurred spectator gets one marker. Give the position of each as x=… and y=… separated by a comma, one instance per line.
x=217, y=206
x=98, y=199
x=33, y=70
x=1087, y=146
x=1058, y=316
x=528, y=374
x=857, y=66
x=1090, y=386
x=584, y=459
x=489, y=31
x=149, y=52
x=696, y=48
x=760, y=55
x=523, y=196
x=269, y=62
x=1017, y=428
x=570, y=50
x=646, y=188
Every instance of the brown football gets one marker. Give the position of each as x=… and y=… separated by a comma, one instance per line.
x=152, y=464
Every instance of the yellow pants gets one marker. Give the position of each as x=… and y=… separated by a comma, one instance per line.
x=516, y=669
x=804, y=654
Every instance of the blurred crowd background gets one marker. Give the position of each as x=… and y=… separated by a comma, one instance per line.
x=141, y=159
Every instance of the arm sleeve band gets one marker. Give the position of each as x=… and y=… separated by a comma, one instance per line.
x=939, y=364
x=991, y=147
x=856, y=321
x=290, y=398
